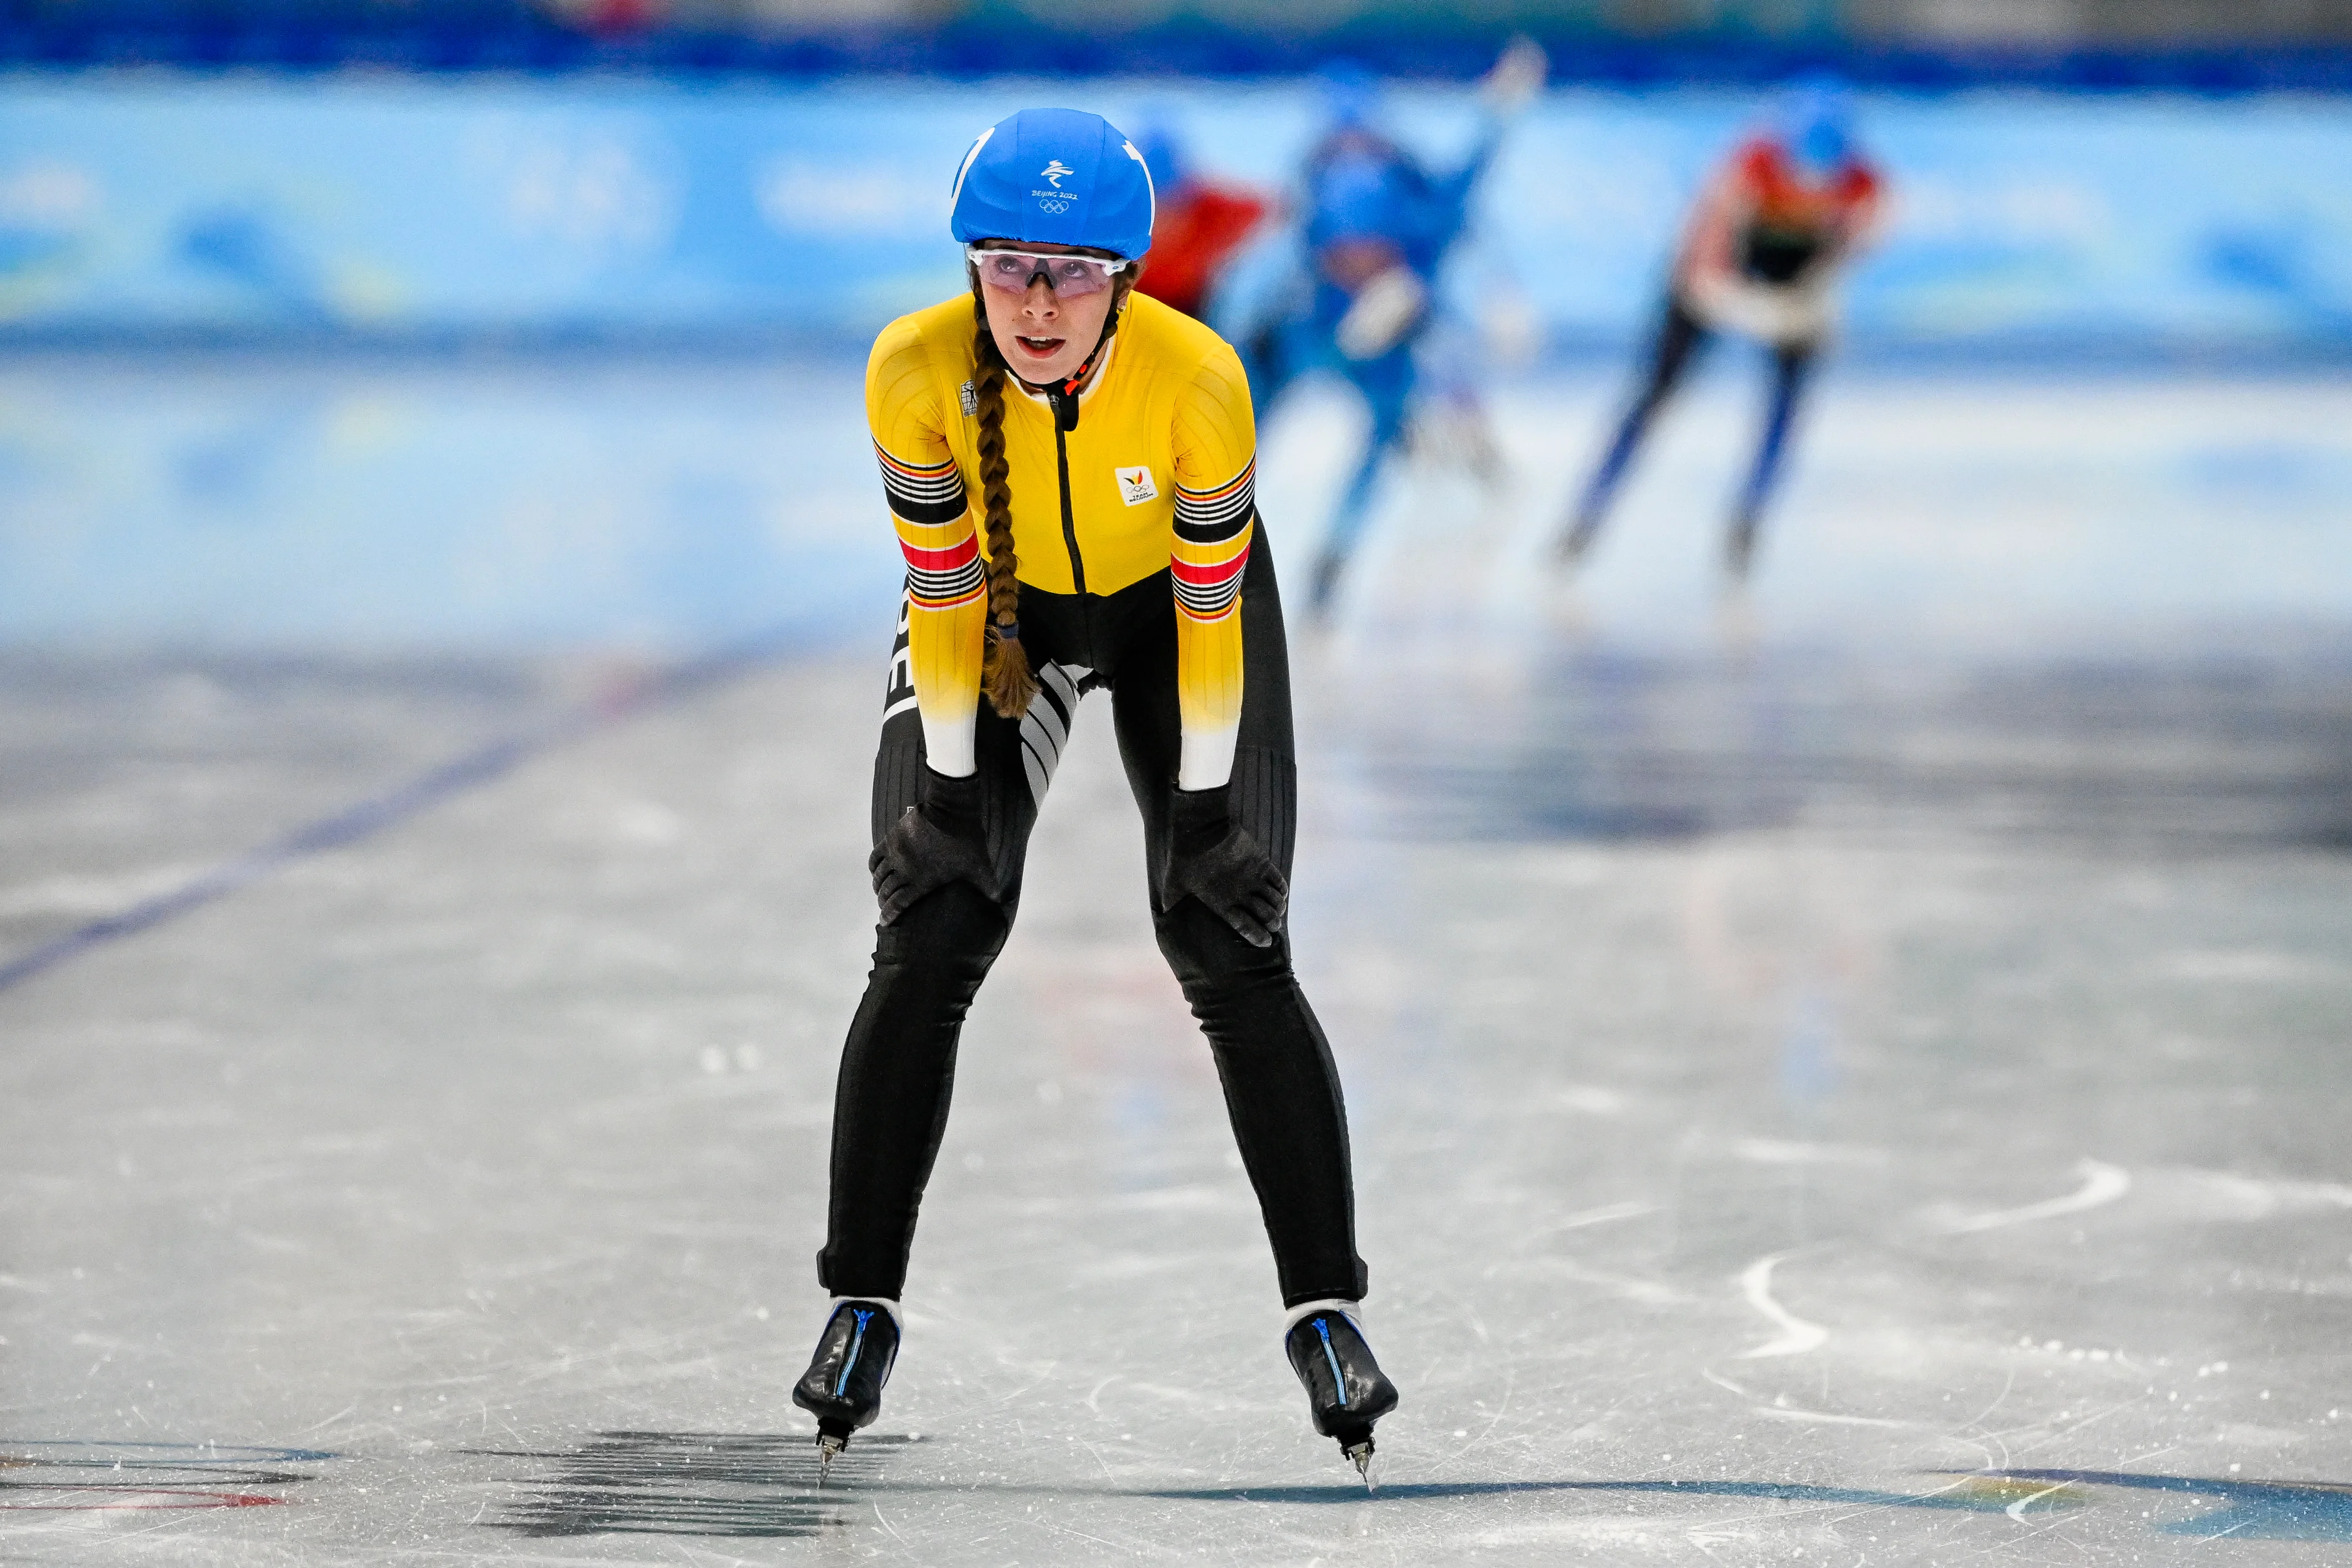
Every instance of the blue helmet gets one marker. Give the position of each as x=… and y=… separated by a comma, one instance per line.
x=1351, y=94
x=1818, y=122
x=1055, y=176
x=1356, y=196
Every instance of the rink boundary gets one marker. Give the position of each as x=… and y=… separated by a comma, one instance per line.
x=2035, y=352
x=1416, y=44
x=373, y=814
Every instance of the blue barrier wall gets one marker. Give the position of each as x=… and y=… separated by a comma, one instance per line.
x=142, y=209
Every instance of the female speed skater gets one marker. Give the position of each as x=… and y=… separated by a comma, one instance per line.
x=1759, y=257
x=1070, y=469
x=1378, y=228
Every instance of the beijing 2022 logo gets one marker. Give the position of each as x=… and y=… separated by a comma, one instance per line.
x=1055, y=200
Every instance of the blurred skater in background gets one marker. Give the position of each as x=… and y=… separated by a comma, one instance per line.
x=1201, y=222
x=1759, y=257
x=1378, y=225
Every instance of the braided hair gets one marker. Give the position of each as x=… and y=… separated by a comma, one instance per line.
x=1005, y=677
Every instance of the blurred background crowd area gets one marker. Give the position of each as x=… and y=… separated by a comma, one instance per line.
x=2160, y=174
x=455, y=229
x=161, y=206
x=2205, y=42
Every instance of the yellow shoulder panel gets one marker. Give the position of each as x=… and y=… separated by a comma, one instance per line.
x=918, y=361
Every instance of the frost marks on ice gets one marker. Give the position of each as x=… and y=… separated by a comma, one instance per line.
x=2102, y=1185
x=2257, y=1510
x=1797, y=1336
x=687, y=1483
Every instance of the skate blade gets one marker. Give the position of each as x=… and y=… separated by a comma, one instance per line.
x=1361, y=1454
x=828, y=1449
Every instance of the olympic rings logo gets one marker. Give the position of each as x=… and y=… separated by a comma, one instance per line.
x=1054, y=206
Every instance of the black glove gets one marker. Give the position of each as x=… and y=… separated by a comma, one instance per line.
x=1215, y=861
x=939, y=840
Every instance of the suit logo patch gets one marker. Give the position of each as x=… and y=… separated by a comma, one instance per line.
x=1135, y=486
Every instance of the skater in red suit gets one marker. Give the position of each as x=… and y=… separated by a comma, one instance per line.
x=1201, y=224
x=1760, y=258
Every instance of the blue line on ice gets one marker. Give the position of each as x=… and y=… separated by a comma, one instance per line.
x=234, y=1451
x=373, y=815
x=1946, y=1499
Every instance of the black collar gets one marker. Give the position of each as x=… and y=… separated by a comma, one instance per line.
x=1062, y=394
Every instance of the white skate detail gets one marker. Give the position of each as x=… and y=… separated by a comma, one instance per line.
x=1351, y=1310
x=888, y=1303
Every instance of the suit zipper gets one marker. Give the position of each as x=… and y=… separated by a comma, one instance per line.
x=1069, y=520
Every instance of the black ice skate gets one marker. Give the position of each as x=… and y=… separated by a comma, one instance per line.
x=1346, y=1391
x=843, y=1387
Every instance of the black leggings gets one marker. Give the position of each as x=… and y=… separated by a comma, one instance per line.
x=1680, y=336
x=1282, y=1091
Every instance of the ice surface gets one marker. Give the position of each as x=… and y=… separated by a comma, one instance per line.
x=420, y=506
x=1801, y=1058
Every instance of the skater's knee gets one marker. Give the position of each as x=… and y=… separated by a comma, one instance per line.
x=957, y=926
x=1220, y=973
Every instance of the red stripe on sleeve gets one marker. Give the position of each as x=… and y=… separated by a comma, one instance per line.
x=940, y=559
x=1210, y=576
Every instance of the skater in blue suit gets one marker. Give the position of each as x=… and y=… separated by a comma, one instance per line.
x=1379, y=227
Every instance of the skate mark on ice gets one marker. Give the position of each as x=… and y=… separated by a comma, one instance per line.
x=2017, y=1510
x=1631, y=1286
x=1828, y=1418
x=2250, y=1511
x=690, y=1483
x=45, y=1475
x=1780, y=1152
x=2259, y=1197
x=1608, y=1213
x=2102, y=1185
x=1797, y=1336
x=368, y=817
x=1784, y=1412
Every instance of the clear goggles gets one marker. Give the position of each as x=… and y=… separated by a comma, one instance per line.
x=1067, y=276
